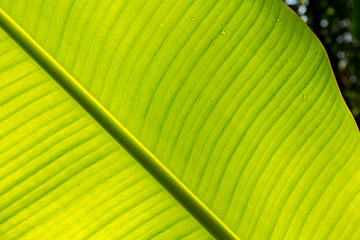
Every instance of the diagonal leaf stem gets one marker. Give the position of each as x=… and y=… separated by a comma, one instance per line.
x=120, y=134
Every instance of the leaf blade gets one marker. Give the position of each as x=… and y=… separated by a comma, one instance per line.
x=235, y=120
x=120, y=134
x=62, y=176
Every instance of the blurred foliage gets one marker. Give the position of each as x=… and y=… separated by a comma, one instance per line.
x=336, y=24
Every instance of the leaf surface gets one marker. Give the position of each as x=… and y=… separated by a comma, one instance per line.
x=235, y=98
x=63, y=177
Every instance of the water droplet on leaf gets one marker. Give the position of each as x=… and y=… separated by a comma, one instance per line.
x=304, y=97
x=278, y=19
x=223, y=32
x=230, y=121
x=155, y=56
x=193, y=19
x=162, y=25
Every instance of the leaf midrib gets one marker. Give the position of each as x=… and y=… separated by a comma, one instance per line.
x=118, y=132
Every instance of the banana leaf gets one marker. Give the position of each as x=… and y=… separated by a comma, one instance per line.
x=165, y=119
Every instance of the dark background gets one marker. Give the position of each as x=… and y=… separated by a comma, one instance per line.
x=337, y=24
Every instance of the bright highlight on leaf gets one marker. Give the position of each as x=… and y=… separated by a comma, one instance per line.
x=230, y=108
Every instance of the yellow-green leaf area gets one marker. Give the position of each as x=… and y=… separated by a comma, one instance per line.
x=235, y=98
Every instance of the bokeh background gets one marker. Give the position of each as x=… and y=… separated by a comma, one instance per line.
x=337, y=24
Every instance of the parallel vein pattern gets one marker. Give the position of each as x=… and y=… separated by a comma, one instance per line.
x=236, y=98
x=63, y=177
x=120, y=134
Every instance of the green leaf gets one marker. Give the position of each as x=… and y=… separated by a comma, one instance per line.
x=230, y=107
